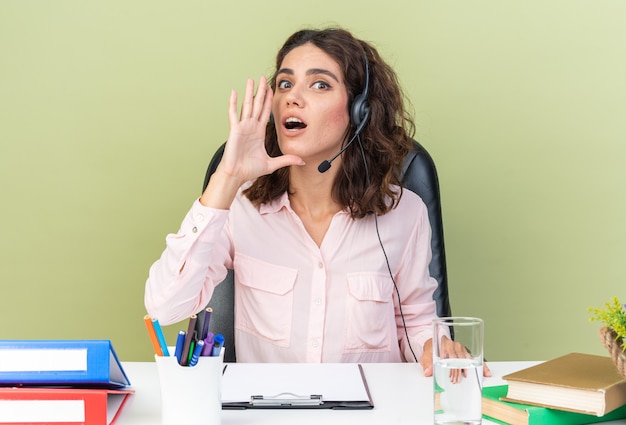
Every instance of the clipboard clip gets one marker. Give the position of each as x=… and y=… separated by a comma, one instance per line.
x=287, y=400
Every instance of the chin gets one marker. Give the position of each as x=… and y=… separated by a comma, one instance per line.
x=292, y=145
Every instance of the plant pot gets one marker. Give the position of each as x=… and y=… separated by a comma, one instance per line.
x=615, y=347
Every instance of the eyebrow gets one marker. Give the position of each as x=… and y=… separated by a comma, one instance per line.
x=312, y=71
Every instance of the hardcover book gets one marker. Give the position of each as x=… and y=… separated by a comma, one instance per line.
x=583, y=383
x=498, y=410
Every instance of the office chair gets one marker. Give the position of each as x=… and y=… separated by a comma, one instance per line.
x=419, y=175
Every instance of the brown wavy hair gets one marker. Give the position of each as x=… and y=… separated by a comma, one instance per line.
x=386, y=139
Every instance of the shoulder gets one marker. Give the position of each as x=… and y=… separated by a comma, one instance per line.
x=409, y=202
x=409, y=213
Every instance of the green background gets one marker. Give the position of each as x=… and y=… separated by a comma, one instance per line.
x=111, y=110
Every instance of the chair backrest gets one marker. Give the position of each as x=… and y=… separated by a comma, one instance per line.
x=419, y=175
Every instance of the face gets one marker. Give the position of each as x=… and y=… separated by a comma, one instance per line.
x=310, y=104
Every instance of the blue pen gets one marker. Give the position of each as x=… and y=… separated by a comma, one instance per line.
x=218, y=343
x=160, y=337
x=180, y=342
x=208, y=345
x=196, y=353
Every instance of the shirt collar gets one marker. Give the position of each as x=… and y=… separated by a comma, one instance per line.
x=283, y=202
x=276, y=205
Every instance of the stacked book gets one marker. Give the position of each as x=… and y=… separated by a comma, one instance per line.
x=61, y=382
x=572, y=389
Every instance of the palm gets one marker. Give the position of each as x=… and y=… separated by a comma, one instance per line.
x=245, y=155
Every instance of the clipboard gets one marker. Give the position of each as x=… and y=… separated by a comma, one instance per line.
x=295, y=386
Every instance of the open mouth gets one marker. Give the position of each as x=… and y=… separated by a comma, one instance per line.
x=293, y=123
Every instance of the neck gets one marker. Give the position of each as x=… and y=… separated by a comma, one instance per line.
x=310, y=193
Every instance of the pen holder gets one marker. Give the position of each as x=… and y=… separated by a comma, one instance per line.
x=191, y=394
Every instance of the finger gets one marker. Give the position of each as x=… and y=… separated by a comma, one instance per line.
x=460, y=351
x=247, y=107
x=453, y=350
x=232, y=107
x=428, y=371
x=260, y=98
x=267, y=106
x=486, y=371
x=455, y=375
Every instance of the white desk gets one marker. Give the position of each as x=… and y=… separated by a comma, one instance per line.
x=401, y=395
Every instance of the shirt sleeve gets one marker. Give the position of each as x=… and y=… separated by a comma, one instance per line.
x=196, y=259
x=416, y=288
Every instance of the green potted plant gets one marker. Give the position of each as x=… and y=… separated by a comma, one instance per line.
x=613, y=331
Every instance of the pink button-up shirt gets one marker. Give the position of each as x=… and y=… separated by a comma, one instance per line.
x=295, y=301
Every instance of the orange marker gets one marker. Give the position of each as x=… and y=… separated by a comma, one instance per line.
x=153, y=337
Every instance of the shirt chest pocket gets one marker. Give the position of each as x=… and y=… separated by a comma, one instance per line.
x=370, y=315
x=264, y=299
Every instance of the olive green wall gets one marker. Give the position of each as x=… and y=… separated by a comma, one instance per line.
x=110, y=111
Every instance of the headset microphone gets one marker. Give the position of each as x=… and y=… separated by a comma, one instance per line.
x=325, y=165
x=359, y=115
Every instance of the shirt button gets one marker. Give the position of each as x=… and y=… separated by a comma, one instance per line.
x=318, y=301
x=195, y=229
x=320, y=265
x=316, y=343
x=199, y=217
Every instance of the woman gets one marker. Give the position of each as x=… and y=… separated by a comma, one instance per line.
x=320, y=258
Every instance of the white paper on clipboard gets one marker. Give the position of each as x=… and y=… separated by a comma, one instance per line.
x=342, y=383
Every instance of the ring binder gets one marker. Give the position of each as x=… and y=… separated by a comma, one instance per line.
x=287, y=400
x=86, y=363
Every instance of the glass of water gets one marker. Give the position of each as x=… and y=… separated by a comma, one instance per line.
x=458, y=370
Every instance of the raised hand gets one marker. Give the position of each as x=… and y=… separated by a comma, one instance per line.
x=245, y=157
x=245, y=153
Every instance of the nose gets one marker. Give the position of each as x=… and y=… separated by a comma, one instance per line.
x=294, y=97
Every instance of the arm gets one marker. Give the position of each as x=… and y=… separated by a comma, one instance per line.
x=417, y=300
x=196, y=258
x=416, y=286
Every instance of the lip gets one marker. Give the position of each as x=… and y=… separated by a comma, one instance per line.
x=292, y=131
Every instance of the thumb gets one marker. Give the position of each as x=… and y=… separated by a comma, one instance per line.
x=284, y=161
x=428, y=371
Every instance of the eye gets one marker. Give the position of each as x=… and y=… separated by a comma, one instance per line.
x=283, y=84
x=321, y=85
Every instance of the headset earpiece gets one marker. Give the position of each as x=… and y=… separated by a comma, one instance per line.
x=360, y=110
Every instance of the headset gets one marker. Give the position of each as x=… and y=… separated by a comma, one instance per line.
x=359, y=116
